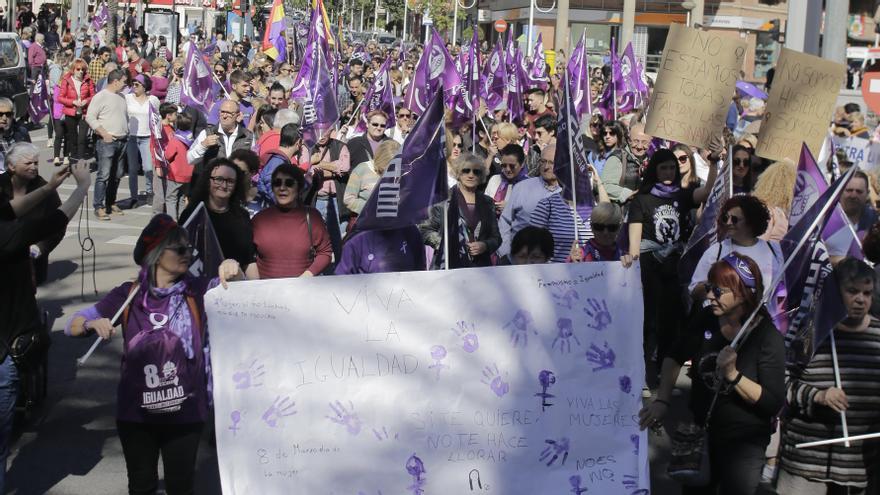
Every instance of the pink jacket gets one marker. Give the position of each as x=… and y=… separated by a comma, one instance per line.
x=57, y=106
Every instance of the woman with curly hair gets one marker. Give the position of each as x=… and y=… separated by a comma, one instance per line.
x=741, y=219
x=775, y=187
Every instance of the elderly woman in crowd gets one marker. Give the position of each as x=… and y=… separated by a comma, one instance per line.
x=164, y=296
x=22, y=177
x=502, y=134
x=658, y=216
x=751, y=377
x=513, y=171
x=365, y=176
x=473, y=227
x=291, y=239
x=815, y=401
x=605, y=222
x=222, y=189
x=742, y=219
x=775, y=187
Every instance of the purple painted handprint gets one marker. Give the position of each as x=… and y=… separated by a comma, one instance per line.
x=576, y=487
x=599, y=313
x=279, y=409
x=384, y=435
x=438, y=354
x=468, y=335
x=603, y=358
x=520, y=327
x=565, y=334
x=547, y=379
x=346, y=418
x=249, y=376
x=236, y=419
x=565, y=297
x=554, y=449
x=493, y=377
x=634, y=439
x=625, y=384
x=416, y=468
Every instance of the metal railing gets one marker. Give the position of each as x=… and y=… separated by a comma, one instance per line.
x=653, y=6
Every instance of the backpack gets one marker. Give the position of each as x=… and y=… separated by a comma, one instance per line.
x=157, y=377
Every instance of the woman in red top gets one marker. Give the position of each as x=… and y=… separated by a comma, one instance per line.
x=74, y=95
x=291, y=239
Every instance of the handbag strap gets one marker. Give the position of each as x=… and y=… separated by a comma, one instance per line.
x=312, y=251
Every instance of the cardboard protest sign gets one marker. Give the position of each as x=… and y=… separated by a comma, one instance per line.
x=513, y=380
x=802, y=100
x=695, y=82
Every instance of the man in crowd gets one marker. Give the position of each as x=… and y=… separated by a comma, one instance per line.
x=271, y=139
x=136, y=64
x=97, y=67
x=10, y=131
x=859, y=213
x=537, y=108
x=37, y=56
x=241, y=91
x=219, y=141
x=545, y=135
x=107, y=115
x=362, y=147
x=403, y=124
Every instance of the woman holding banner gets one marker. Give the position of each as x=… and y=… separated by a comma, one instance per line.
x=735, y=393
x=816, y=400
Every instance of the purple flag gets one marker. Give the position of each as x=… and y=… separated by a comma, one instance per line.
x=466, y=100
x=579, y=80
x=197, y=82
x=628, y=79
x=101, y=17
x=379, y=96
x=494, y=79
x=705, y=232
x=571, y=171
x=317, y=42
x=158, y=141
x=435, y=69
x=207, y=255
x=538, y=70
x=38, y=103
x=414, y=180
x=320, y=111
x=813, y=297
x=516, y=77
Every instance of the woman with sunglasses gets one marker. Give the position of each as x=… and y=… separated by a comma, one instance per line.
x=164, y=296
x=473, y=228
x=454, y=148
x=290, y=238
x=751, y=378
x=741, y=220
x=605, y=222
x=139, y=102
x=686, y=166
x=75, y=94
x=222, y=188
x=502, y=134
x=620, y=172
x=743, y=179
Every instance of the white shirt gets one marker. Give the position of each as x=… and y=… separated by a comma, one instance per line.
x=139, y=114
x=197, y=150
x=769, y=260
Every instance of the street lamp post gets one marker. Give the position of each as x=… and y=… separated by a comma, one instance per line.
x=455, y=19
x=533, y=4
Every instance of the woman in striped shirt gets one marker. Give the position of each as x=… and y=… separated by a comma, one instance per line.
x=815, y=402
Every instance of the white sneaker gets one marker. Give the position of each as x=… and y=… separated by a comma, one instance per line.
x=768, y=474
x=646, y=393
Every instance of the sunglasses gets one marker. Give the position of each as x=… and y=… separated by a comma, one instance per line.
x=404, y=116
x=6, y=114
x=603, y=227
x=509, y=165
x=733, y=219
x=609, y=132
x=376, y=124
x=682, y=159
x=283, y=182
x=745, y=162
x=456, y=145
x=476, y=171
x=717, y=291
x=181, y=250
x=223, y=181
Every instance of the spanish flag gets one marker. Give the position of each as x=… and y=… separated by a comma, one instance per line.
x=274, y=42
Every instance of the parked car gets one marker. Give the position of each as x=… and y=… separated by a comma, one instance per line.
x=13, y=72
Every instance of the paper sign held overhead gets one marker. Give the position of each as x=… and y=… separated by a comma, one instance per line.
x=507, y=380
x=801, y=104
x=695, y=83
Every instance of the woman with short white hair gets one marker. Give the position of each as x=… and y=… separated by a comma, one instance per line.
x=473, y=228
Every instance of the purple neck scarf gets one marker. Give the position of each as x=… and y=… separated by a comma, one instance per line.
x=662, y=190
x=171, y=303
x=501, y=193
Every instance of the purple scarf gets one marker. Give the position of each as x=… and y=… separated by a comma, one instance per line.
x=169, y=301
x=662, y=190
x=501, y=193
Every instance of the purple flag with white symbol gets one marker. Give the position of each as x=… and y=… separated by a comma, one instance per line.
x=466, y=100
x=320, y=111
x=516, y=77
x=102, y=16
x=538, y=70
x=494, y=79
x=316, y=42
x=38, y=103
x=380, y=96
x=197, y=82
x=434, y=70
x=571, y=171
x=579, y=80
x=706, y=232
x=630, y=88
x=414, y=180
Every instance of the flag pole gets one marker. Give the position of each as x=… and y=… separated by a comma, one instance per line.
x=729, y=172
x=838, y=385
x=866, y=436
x=778, y=278
x=81, y=361
x=567, y=106
x=446, y=234
x=214, y=75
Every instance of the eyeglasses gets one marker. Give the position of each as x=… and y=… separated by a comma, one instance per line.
x=745, y=162
x=222, y=181
x=457, y=145
x=377, y=124
x=476, y=171
x=717, y=291
x=283, y=182
x=602, y=227
x=733, y=219
x=181, y=250
x=682, y=159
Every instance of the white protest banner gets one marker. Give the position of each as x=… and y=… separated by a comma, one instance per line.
x=507, y=380
x=695, y=82
x=800, y=105
x=863, y=153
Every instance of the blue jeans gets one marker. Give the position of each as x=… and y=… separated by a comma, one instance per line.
x=8, y=398
x=110, y=170
x=139, y=154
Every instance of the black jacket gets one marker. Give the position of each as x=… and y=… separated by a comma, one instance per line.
x=244, y=139
x=360, y=150
x=432, y=232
